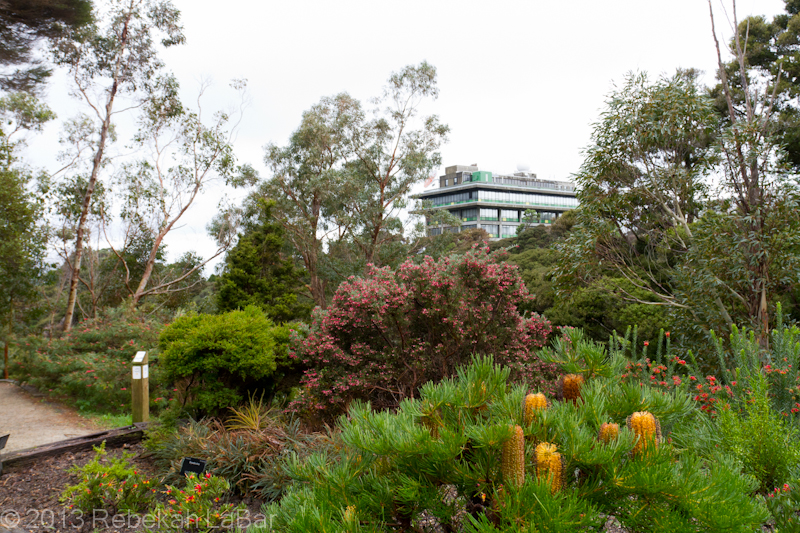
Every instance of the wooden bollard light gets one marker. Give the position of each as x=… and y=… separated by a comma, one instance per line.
x=140, y=388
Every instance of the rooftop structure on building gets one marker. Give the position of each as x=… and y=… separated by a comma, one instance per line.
x=496, y=202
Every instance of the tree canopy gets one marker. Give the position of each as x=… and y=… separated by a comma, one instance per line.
x=25, y=23
x=344, y=177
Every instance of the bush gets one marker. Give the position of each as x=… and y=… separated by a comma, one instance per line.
x=90, y=366
x=461, y=457
x=112, y=485
x=197, y=508
x=390, y=332
x=249, y=451
x=763, y=441
x=215, y=360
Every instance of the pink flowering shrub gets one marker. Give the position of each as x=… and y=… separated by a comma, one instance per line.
x=390, y=332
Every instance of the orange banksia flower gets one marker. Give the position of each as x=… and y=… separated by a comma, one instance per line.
x=569, y=387
x=647, y=430
x=550, y=465
x=513, y=463
x=608, y=432
x=533, y=403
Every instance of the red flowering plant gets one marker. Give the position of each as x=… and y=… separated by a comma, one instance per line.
x=111, y=484
x=783, y=504
x=388, y=333
x=738, y=364
x=198, y=507
x=90, y=366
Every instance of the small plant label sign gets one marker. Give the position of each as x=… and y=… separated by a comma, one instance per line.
x=190, y=465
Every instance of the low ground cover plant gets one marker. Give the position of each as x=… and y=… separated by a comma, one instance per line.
x=90, y=366
x=248, y=449
x=196, y=507
x=111, y=484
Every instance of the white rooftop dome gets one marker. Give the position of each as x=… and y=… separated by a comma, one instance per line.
x=523, y=167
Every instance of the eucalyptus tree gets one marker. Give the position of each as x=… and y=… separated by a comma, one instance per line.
x=343, y=179
x=113, y=58
x=770, y=51
x=307, y=185
x=387, y=154
x=701, y=213
x=758, y=224
x=642, y=185
x=183, y=151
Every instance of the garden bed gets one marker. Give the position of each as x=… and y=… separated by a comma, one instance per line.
x=29, y=496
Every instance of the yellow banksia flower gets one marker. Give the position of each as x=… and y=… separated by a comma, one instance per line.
x=647, y=430
x=533, y=403
x=608, y=432
x=570, y=387
x=513, y=462
x=550, y=465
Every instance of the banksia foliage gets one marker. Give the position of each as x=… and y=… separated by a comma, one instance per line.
x=569, y=387
x=550, y=464
x=432, y=424
x=608, y=432
x=514, y=458
x=647, y=430
x=533, y=403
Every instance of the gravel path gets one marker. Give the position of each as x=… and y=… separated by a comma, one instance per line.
x=32, y=421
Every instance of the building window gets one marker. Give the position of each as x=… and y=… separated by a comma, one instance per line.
x=489, y=214
x=508, y=231
x=451, y=199
x=492, y=229
x=546, y=217
x=525, y=198
x=434, y=231
x=467, y=227
x=509, y=215
x=468, y=215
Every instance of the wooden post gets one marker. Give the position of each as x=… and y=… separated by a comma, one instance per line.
x=140, y=388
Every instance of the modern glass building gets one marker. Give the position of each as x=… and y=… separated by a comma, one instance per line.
x=496, y=202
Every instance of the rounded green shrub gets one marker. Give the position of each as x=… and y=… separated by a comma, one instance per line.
x=216, y=360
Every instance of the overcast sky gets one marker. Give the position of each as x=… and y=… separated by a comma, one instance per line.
x=520, y=81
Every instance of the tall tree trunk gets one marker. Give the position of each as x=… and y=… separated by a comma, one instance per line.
x=87, y=198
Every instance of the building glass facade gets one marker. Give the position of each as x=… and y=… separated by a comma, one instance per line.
x=497, y=203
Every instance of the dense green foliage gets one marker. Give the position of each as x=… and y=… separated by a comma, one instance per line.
x=90, y=367
x=257, y=271
x=773, y=454
x=215, y=360
x=597, y=306
x=438, y=460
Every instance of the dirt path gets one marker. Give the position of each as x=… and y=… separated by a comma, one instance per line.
x=32, y=421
